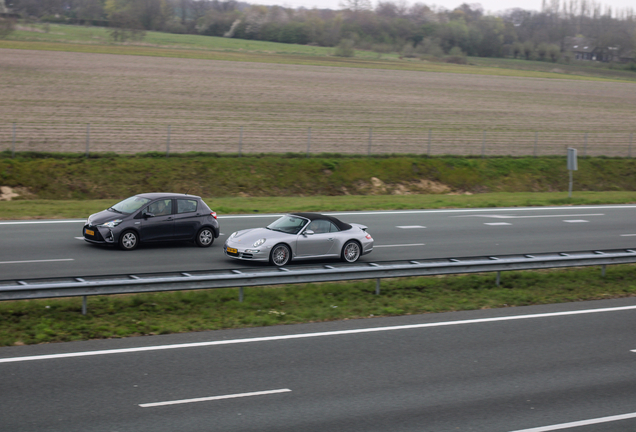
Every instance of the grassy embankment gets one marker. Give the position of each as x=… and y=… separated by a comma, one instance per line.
x=73, y=186
x=95, y=40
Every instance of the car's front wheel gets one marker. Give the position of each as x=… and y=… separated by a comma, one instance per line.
x=350, y=251
x=205, y=237
x=128, y=240
x=281, y=255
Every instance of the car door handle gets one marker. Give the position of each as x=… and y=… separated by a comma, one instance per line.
x=169, y=219
x=330, y=238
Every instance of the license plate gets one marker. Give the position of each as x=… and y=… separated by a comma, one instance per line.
x=90, y=232
x=232, y=250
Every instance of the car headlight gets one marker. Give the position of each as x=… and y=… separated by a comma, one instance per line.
x=259, y=242
x=112, y=224
x=233, y=235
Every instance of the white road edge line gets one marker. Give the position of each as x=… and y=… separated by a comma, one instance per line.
x=628, y=235
x=37, y=261
x=497, y=223
x=310, y=335
x=579, y=423
x=576, y=221
x=211, y=398
x=399, y=245
x=42, y=222
x=531, y=216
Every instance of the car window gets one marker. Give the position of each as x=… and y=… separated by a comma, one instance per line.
x=130, y=205
x=161, y=207
x=321, y=226
x=288, y=224
x=186, y=205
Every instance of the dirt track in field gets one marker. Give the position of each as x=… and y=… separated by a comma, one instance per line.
x=129, y=102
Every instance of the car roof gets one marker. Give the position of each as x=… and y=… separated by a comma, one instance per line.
x=156, y=195
x=317, y=216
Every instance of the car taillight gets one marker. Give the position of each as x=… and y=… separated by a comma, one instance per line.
x=368, y=236
x=213, y=214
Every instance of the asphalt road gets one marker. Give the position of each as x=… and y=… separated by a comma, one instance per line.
x=497, y=370
x=32, y=249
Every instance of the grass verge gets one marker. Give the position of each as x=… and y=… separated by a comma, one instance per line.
x=59, y=209
x=60, y=320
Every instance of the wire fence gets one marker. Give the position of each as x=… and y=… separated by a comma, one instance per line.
x=127, y=139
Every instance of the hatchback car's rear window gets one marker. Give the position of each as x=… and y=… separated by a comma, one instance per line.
x=130, y=205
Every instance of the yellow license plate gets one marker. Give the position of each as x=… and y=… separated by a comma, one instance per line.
x=232, y=250
x=90, y=232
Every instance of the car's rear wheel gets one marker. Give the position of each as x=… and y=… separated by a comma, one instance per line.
x=128, y=240
x=350, y=251
x=280, y=255
x=205, y=237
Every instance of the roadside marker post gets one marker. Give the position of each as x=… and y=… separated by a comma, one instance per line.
x=572, y=166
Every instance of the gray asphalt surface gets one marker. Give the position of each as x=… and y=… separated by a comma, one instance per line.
x=507, y=375
x=465, y=375
x=28, y=248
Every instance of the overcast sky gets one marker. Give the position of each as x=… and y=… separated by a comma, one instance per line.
x=488, y=5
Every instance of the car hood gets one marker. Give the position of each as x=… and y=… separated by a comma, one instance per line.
x=249, y=236
x=105, y=216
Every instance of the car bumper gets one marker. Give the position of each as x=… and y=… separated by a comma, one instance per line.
x=98, y=235
x=247, y=254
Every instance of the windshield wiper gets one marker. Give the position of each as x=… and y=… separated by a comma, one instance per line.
x=115, y=210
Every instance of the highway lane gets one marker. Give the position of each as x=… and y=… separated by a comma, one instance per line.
x=31, y=250
x=492, y=370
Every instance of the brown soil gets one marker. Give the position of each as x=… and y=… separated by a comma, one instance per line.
x=136, y=103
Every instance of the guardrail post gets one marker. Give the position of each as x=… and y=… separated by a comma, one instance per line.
x=603, y=270
x=308, y=141
x=498, y=278
x=88, y=137
x=430, y=132
x=240, y=294
x=240, y=141
x=13, y=146
x=631, y=136
x=585, y=146
x=483, y=144
x=370, y=141
x=536, y=141
x=377, y=286
x=83, y=305
x=168, y=143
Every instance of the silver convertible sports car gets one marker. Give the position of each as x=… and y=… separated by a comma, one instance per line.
x=300, y=236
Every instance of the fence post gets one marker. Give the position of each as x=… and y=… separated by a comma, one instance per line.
x=370, y=140
x=308, y=141
x=430, y=131
x=631, y=135
x=536, y=141
x=88, y=137
x=168, y=142
x=13, y=145
x=240, y=141
x=483, y=144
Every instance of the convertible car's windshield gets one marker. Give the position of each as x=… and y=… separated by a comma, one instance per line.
x=130, y=205
x=288, y=224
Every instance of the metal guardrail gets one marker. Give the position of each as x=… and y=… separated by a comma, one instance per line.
x=266, y=275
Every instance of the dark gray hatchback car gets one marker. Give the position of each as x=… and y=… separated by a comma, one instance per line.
x=153, y=217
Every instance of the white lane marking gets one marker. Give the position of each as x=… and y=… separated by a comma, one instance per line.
x=579, y=423
x=36, y=261
x=497, y=223
x=410, y=226
x=576, y=221
x=80, y=238
x=24, y=222
x=399, y=245
x=628, y=235
x=530, y=216
x=311, y=335
x=211, y=398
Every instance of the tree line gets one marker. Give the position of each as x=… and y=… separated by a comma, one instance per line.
x=391, y=26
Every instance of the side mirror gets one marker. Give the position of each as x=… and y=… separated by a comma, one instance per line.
x=147, y=215
x=308, y=232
